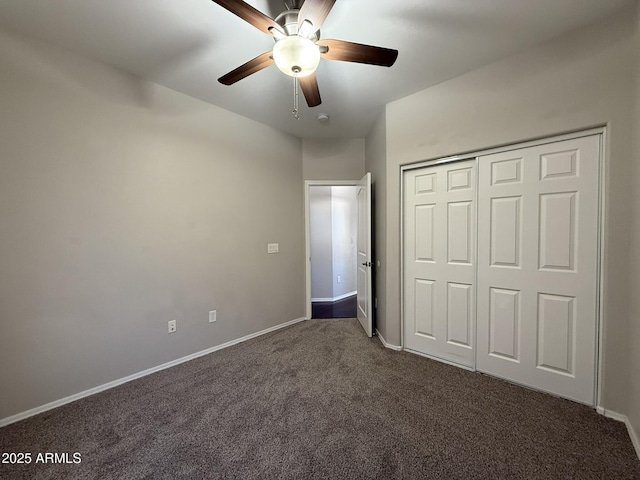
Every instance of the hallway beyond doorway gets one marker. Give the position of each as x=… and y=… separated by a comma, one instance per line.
x=345, y=308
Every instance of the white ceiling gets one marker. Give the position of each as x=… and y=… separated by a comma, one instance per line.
x=187, y=44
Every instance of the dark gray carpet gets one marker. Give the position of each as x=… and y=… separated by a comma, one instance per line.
x=320, y=400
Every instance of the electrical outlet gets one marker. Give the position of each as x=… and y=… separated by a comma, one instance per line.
x=212, y=316
x=172, y=326
x=339, y=279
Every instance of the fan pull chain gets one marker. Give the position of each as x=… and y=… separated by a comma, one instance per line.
x=295, y=98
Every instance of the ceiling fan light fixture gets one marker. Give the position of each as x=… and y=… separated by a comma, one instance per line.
x=296, y=56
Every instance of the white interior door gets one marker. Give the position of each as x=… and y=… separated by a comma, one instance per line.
x=537, y=265
x=365, y=314
x=439, y=261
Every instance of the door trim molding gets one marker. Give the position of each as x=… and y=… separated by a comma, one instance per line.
x=599, y=130
x=307, y=230
x=601, y=261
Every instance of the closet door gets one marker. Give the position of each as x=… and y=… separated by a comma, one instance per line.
x=439, y=261
x=537, y=266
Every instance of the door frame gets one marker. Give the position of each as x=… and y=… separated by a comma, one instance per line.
x=307, y=231
x=600, y=131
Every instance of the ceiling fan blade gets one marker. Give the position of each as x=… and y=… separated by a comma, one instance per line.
x=310, y=89
x=250, y=15
x=249, y=68
x=356, y=52
x=315, y=12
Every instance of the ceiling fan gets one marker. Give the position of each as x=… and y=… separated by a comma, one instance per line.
x=298, y=47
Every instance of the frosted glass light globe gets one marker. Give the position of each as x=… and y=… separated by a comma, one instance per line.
x=296, y=56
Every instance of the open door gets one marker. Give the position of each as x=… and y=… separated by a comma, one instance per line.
x=365, y=313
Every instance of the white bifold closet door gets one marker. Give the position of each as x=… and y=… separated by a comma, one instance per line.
x=439, y=261
x=537, y=266
x=534, y=286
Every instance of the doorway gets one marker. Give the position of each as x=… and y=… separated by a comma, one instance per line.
x=350, y=252
x=333, y=222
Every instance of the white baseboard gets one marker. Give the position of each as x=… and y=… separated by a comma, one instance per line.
x=335, y=299
x=135, y=376
x=635, y=439
x=388, y=345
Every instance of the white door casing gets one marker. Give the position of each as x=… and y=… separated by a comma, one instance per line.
x=439, y=261
x=537, y=266
x=364, y=273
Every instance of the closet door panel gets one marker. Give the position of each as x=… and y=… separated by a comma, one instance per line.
x=537, y=266
x=439, y=261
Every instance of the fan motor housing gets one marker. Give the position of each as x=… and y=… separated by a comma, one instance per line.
x=288, y=20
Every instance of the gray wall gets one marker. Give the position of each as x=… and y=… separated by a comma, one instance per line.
x=321, y=242
x=376, y=163
x=579, y=80
x=634, y=334
x=125, y=205
x=333, y=159
x=344, y=219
